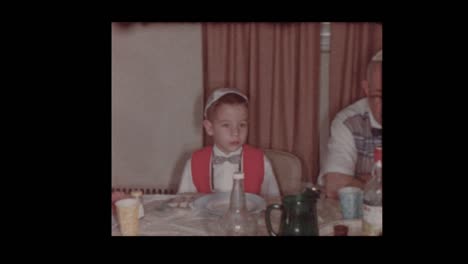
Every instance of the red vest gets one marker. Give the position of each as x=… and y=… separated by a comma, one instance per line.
x=252, y=160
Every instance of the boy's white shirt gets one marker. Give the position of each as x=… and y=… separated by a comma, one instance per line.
x=223, y=176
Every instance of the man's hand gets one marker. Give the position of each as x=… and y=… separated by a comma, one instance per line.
x=334, y=181
x=364, y=178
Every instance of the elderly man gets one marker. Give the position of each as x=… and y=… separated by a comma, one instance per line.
x=355, y=132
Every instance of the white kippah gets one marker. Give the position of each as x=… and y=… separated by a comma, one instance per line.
x=218, y=93
x=377, y=56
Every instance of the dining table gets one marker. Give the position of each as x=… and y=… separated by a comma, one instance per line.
x=175, y=215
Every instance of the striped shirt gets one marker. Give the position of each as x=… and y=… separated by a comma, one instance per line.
x=354, y=136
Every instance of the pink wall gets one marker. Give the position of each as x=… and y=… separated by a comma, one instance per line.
x=156, y=102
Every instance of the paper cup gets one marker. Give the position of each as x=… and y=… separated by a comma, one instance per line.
x=127, y=214
x=351, y=202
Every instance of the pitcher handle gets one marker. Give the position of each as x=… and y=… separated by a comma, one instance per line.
x=267, y=217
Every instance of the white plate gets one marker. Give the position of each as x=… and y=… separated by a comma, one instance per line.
x=354, y=227
x=218, y=203
x=181, y=201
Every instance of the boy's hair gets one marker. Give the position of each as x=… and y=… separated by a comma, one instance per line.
x=230, y=99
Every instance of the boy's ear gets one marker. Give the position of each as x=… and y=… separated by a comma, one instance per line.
x=208, y=127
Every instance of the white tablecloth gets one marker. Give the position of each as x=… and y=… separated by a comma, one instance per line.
x=179, y=219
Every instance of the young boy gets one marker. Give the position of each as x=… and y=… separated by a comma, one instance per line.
x=210, y=169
